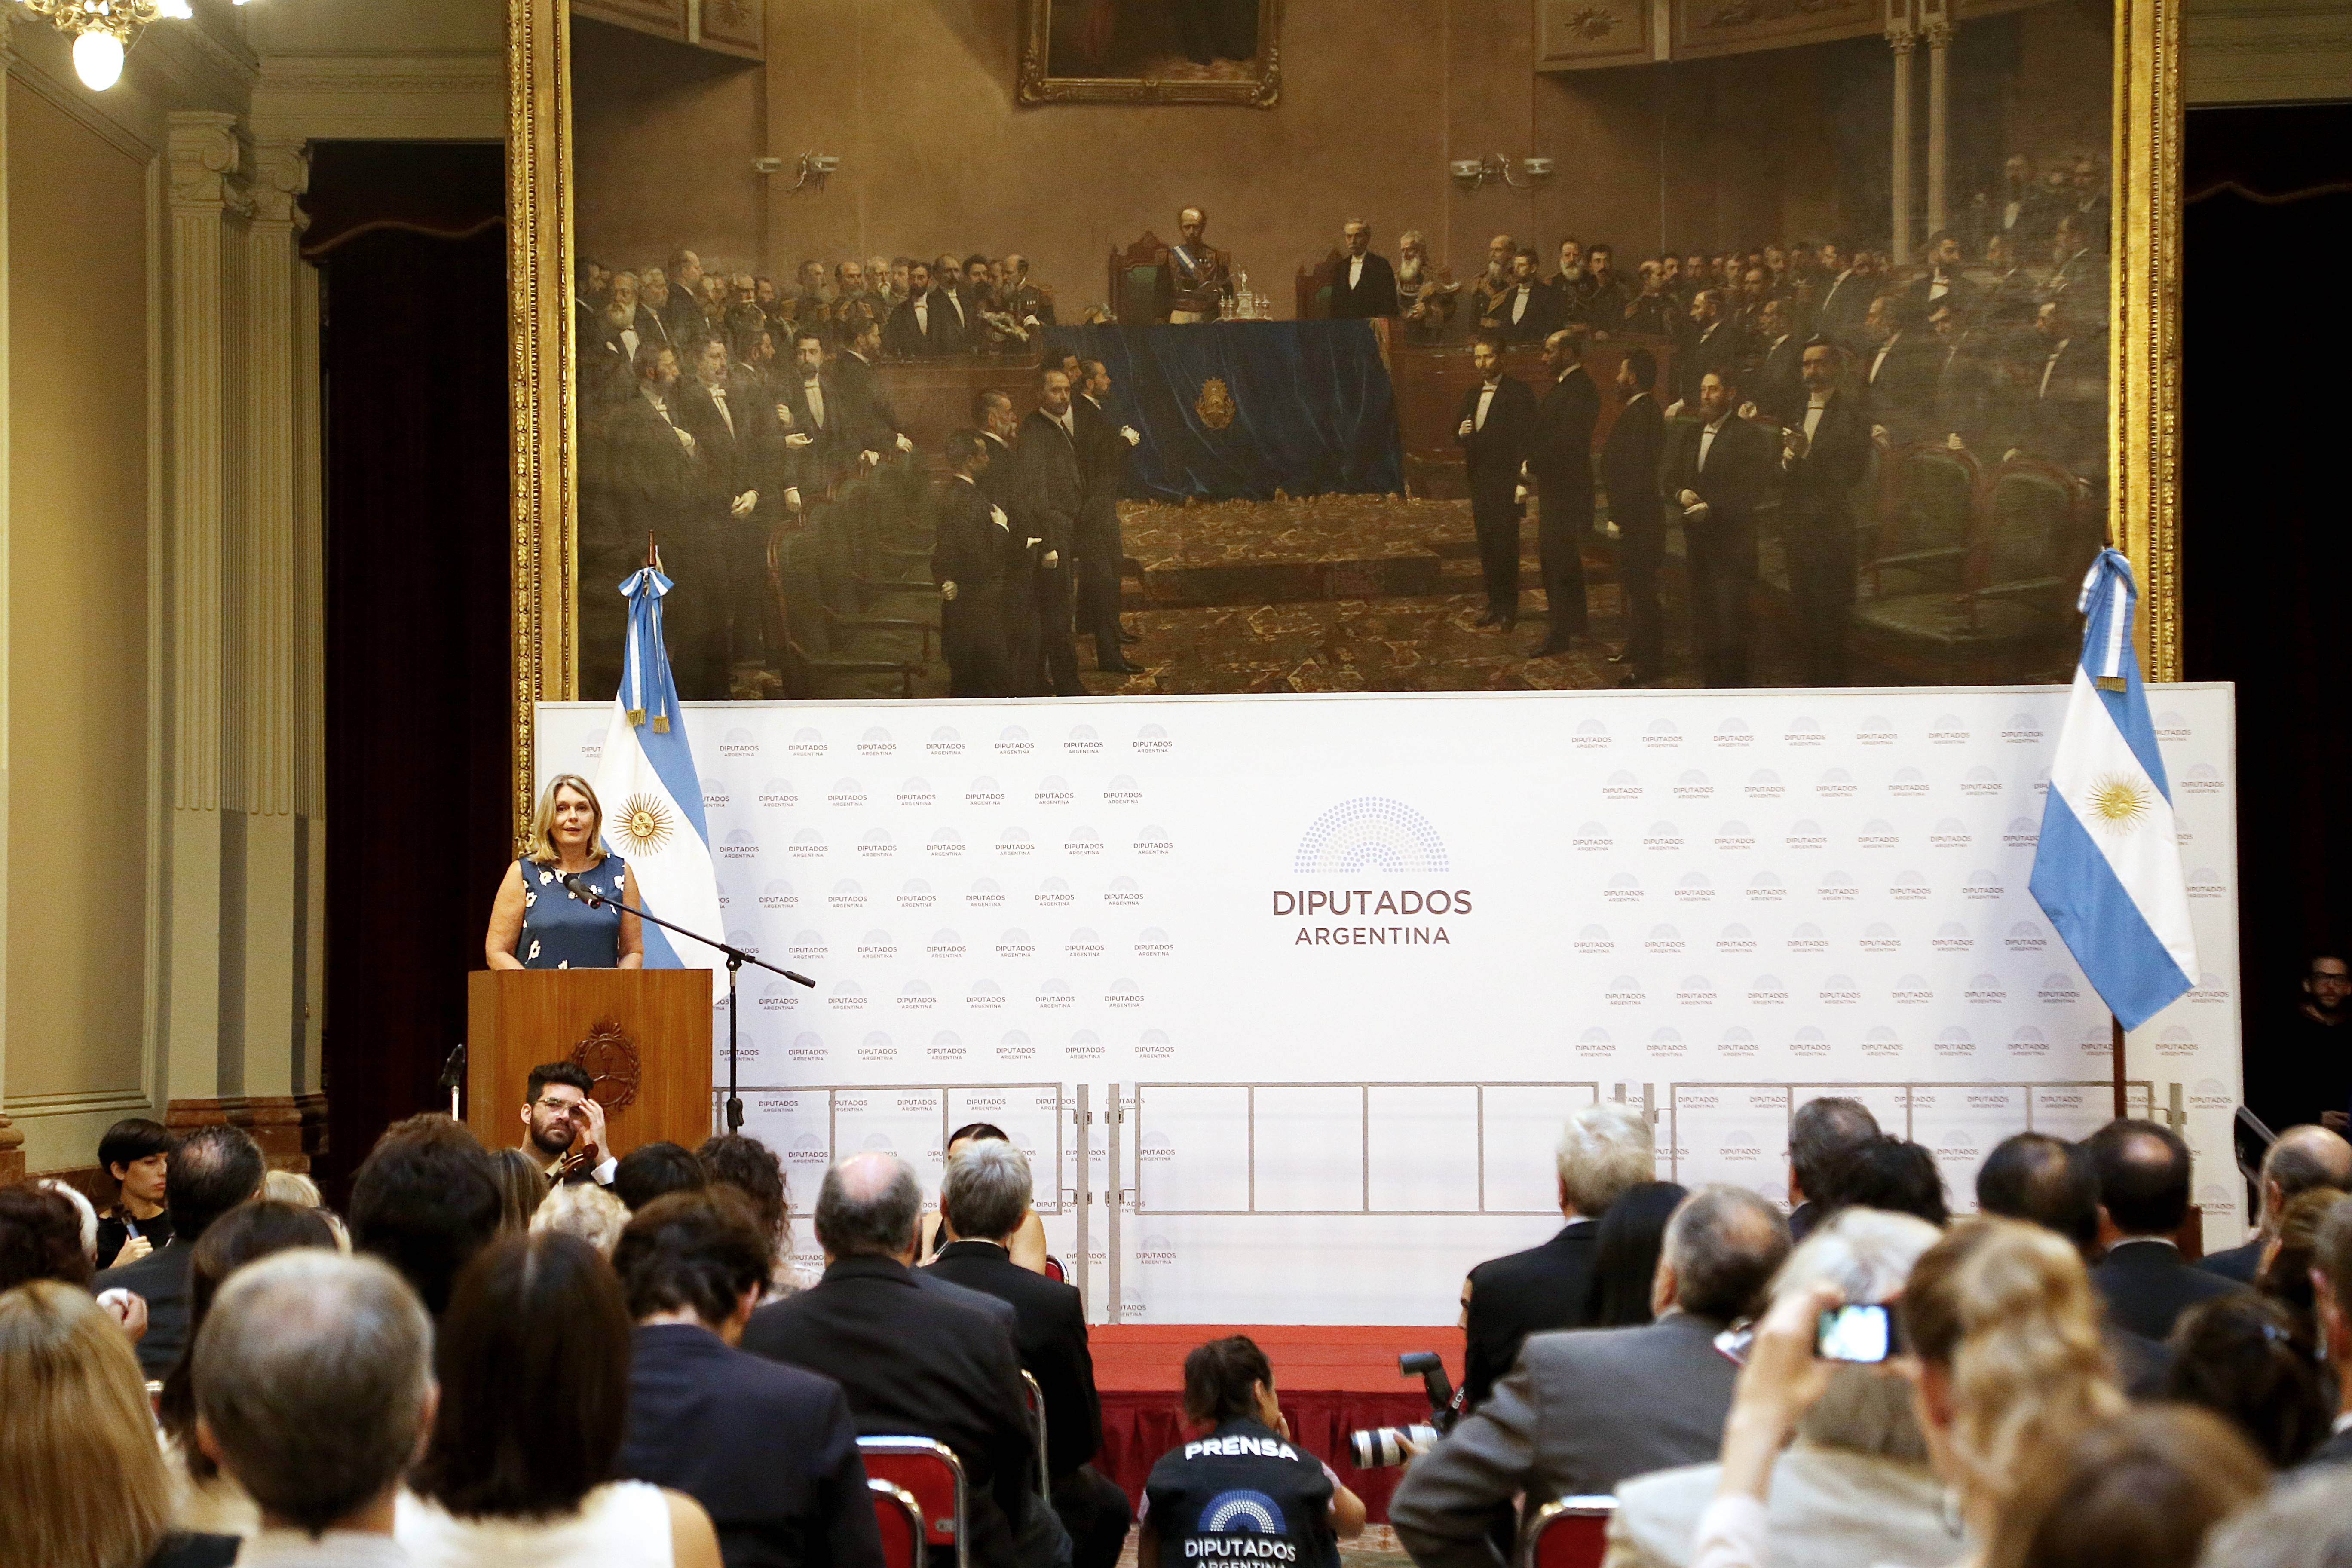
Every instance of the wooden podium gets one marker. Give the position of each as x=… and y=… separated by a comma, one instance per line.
x=644, y=1034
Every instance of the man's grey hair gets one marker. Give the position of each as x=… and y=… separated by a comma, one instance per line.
x=2305, y=1523
x=870, y=1204
x=1867, y=1254
x=1605, y=1148
x=1724, y=1245
x=1823, y=1132
x=1413, y=237
x=313, y=1373
x=987, y=1190
x=2306, y=1157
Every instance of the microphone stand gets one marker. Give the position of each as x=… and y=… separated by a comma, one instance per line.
x=736, y=959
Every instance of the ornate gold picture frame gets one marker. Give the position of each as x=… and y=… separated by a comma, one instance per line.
x=2144, y=286
x=1071, y=52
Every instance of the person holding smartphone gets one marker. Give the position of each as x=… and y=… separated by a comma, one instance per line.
x=1855, y=1488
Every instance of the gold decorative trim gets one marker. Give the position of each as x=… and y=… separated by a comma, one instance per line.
x=1261, y=91
x=2144, y=344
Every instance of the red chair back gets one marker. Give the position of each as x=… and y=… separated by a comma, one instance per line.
x=1035, y=1395
x=1055, y=1272
x=900, y=1519
x=928, y=1471
x=1568, y=1532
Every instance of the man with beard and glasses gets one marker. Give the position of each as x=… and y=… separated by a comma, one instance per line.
x=559, y=1109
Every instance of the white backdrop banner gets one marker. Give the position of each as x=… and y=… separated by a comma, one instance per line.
x=1347, y=961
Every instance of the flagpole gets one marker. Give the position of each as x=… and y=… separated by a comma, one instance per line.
x=2123, y=1108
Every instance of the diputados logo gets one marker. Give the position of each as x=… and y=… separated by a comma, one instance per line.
x=1366, y=839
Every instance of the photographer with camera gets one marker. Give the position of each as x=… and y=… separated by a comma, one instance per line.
x=1854, y=1488
x=1243, y=1492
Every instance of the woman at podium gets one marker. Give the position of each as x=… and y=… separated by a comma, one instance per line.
x=538, y=920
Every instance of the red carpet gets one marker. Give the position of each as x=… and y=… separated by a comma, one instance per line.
x=1331, y=1381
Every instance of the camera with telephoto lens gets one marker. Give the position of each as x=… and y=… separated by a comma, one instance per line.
x=1383, y=1447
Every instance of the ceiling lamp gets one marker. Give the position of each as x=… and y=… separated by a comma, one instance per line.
x=103, y=29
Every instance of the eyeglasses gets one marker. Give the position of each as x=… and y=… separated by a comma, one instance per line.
x=556, y=1104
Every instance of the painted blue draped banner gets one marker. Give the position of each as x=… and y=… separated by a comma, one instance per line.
x=1236, y=410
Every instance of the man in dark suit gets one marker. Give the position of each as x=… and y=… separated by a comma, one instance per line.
x=704, y=1417
x=1822, y=1132
x=921, y=327
x=1852, y=283
x=915, y=1358
x=1710, y=341
x=1364, y=285
x=1491, y=427
x=2300, y=1159
x=683, y=314
x=1824, y=454
x=1103, y=447
x=1943, y=281
x=2065, y=385
x=1028, y=301
x=1718, y=468
x=970, y=558
x=873, y=419
x=1581, y=1412
x=1559, y=460
x=2143, y=1185
x=1528, y=309
x=818, y=435
x=1898, y=371
x=1002, y=483
x=212, y=1170
x=1054, y=484
x=1605, y=1149
x=985, y=1196
x=1629, y=471
x=2331, y=1262
x=734, y=500
x=1777, y=385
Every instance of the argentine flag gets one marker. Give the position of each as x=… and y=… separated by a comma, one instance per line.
x=2108, y=870
x=652, y=794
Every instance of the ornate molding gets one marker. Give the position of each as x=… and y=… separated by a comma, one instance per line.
x=2144, y=347
x=206, y=155
x=281, y=175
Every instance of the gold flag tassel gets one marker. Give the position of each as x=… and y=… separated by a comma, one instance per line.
x=661, y=723
x=636, y=717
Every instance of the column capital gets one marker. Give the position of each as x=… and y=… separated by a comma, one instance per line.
x=206, y=154
x=281, y=174
x=1900, y=38
x=1938, y=35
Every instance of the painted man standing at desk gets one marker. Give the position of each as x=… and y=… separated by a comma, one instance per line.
x=1198, y=282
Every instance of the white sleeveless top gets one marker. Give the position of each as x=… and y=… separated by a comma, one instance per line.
x=623, y=1524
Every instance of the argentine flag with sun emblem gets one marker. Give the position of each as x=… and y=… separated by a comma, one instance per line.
x=2108, y=870
x=652, y=794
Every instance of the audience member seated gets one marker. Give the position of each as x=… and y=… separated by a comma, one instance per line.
x=2286, y=1275
x=1854, y=1490
x=522, y=1187
x=2331, y=1287
x=705, y=1417
x=2301, y=1159
x=743, y=1162
x=214, y=1169
x=1028, y=1246
x=426, y=1200
x=651, y=1171
x=313, y=1391
x=136, y=1155
x=2004, y=1330
x=80, y=1472
x=1820, y=1134
x=985, y=1199
x=917, y=1359
x=1891, y=1175
x=85, y=1215
x=202, y=1499
x=1625, y=1255
x=1244, y=1470
x=2304, y=1523
x=2143, y=1170
x=2139, y=1490
x=1582, y=1411
x=534, y=1363
x=2241, y=1357
x=2046, y=1181
x=40, y=1237
x=585, y=1210
x=1604, y=1149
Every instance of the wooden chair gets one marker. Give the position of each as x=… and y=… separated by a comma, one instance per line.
x=1036, y=1395
x=1927, y=496
x=1139, y=282
x=900, y=1519
x=1568, y=1533
x=932, y=1476
x=1316, y=281
x=811, y=659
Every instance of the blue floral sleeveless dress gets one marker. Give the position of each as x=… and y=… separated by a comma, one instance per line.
x=560, y=929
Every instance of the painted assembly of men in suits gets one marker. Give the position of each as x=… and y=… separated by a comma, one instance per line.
x=1529, y=310
x=734, y=499
x=1492, y=428
x=1559, y=460
x=1899, y=376
x=1629, y=469
x=1365, y=284
x=1716, y=469
x=1823, y=456
x=1052, y=482
x=1003, y=484
x=1777, y=387
x=654, y=481
x=1103, y=445
x=922, y=326
x=1710, y=341
x=970, y=558
x=811, y=417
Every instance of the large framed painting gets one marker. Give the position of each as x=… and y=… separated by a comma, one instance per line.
x=1569, y=344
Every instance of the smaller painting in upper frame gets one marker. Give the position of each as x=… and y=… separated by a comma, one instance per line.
x=1152, y=51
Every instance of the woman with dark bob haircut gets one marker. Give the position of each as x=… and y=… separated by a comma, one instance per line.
x=1190, y=1503
x=534, y=1363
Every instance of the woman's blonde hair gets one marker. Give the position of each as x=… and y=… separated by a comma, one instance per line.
x=585, y=1210
x=2007, y=1310
x=79, y=1464
x=290, y=1188
x=541, y=846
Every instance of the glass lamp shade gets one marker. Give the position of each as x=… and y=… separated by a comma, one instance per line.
x=97, y=61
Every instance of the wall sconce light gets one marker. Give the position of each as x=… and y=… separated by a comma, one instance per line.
x=1471, y=172
x=810, y=171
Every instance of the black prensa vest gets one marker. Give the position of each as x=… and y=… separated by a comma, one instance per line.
x=1242, y=1497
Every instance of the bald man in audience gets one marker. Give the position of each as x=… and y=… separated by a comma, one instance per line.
x=2303, y=1158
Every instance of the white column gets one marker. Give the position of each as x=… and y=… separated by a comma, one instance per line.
x=1900, y=40
x=1938, y=36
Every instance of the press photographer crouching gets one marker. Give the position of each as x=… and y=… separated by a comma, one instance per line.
x=1243, y=1492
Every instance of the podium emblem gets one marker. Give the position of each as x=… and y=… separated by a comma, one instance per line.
x=609, y=1056
x=1215, y=407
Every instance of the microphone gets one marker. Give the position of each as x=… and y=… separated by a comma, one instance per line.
x=577, y=885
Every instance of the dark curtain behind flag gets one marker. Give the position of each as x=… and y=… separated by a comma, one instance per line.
x=1238, y=410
